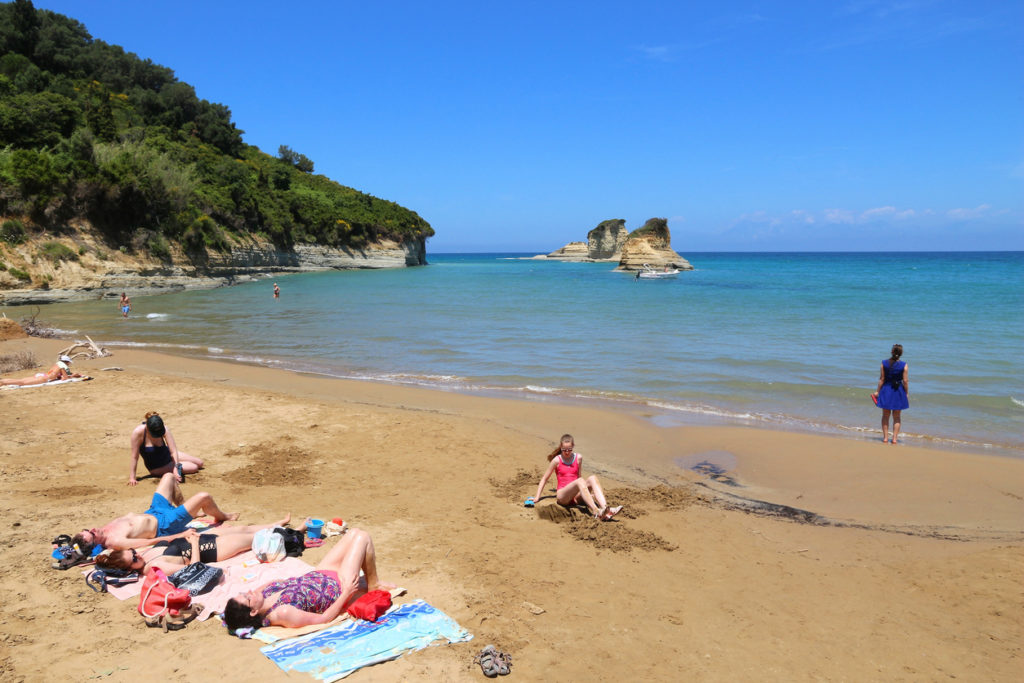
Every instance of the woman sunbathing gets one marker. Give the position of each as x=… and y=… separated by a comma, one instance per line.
x=316, y=597
x=573, y=488
x=213, y=545
x=59, y=370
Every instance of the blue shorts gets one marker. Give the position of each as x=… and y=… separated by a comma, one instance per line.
x=170, y=519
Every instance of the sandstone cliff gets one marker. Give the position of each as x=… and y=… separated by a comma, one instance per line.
x=651, y=245
x=82, y=267
x=605, y=241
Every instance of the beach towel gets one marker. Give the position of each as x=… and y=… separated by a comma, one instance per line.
x=48, y=384
x=334, y=653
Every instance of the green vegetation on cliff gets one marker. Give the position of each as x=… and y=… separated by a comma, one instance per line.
x=91, y=132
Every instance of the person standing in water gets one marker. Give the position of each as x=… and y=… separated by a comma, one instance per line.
x=126, y=305
x=277, y=291
x=893, y=392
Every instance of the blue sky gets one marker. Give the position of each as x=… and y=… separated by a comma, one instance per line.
x=519, y=126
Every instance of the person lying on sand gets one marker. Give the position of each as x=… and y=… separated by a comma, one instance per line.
x=60, y=370
x=163, y=521
x=213, y=545
x=573, y=488
x=316, y=597
x=155, y=443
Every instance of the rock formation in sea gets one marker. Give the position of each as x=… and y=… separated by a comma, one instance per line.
x=574, y=251
x=609, y=241
x=651, y=245
x=87, y=269
x=604, y=243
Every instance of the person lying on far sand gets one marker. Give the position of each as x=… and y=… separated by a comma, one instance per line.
x=316, y=597
x=163, y=521
x=213, y=545
x=60, y=370
x=155, y=443
x=573, y=488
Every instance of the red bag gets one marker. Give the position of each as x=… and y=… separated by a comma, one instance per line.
x=160, y=599
x=371, y=605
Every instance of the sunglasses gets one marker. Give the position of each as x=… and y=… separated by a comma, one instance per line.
x=135, y=556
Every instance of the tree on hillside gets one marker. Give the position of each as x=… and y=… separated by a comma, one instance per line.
x=293, y=158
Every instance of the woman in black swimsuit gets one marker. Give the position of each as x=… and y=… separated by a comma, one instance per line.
x=212, y=545
x=155, y=443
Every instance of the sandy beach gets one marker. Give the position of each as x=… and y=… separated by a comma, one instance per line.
x=796, y=557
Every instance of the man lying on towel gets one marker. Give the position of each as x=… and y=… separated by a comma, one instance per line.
x=163, y=521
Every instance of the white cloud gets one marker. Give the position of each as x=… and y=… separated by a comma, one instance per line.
x=838, y=216
x=963, y=214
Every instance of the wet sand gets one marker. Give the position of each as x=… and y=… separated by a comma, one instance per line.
x=782, y=557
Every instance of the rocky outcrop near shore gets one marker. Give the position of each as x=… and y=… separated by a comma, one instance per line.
x=651, y=245
x=82, y=267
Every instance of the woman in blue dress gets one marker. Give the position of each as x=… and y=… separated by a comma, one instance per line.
x=893, y=393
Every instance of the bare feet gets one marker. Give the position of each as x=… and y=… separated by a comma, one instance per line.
x=231, y=516
x=610, y=512
x=284, y=521
x=381, y=586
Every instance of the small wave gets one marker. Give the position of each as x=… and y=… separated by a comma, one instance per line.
x=156, y=345
x=539, y=389
x=215, y=349
x=1017, y=401
x=152, y=316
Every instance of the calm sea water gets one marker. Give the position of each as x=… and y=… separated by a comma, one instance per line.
x=786, y=340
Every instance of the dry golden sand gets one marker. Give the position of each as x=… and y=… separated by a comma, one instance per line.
x=889, y=563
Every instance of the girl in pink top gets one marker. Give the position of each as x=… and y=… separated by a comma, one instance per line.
x=573, y=488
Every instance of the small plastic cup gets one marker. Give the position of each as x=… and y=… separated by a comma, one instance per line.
x=314, y=528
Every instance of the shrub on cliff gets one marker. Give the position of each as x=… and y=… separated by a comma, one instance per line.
x=12, y=231
x=57, y=252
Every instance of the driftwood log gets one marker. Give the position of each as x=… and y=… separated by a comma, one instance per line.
x=81, y=349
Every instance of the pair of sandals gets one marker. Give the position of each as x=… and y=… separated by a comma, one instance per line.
x=494, y=662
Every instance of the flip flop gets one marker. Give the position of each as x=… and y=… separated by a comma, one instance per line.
x=488, y=659
x=528, y=502
x=874, y=399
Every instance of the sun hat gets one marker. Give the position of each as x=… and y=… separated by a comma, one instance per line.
x=66, y=358
x=155, y=425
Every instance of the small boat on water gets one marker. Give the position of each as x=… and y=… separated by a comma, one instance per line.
x=649, y=273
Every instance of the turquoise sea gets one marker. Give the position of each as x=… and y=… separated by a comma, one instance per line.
x=786, y=340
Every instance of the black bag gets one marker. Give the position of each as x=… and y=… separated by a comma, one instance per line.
x=197, y=578
x=294, y=540
x=99, y=579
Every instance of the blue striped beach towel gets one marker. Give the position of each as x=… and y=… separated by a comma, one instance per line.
x=334, y=653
